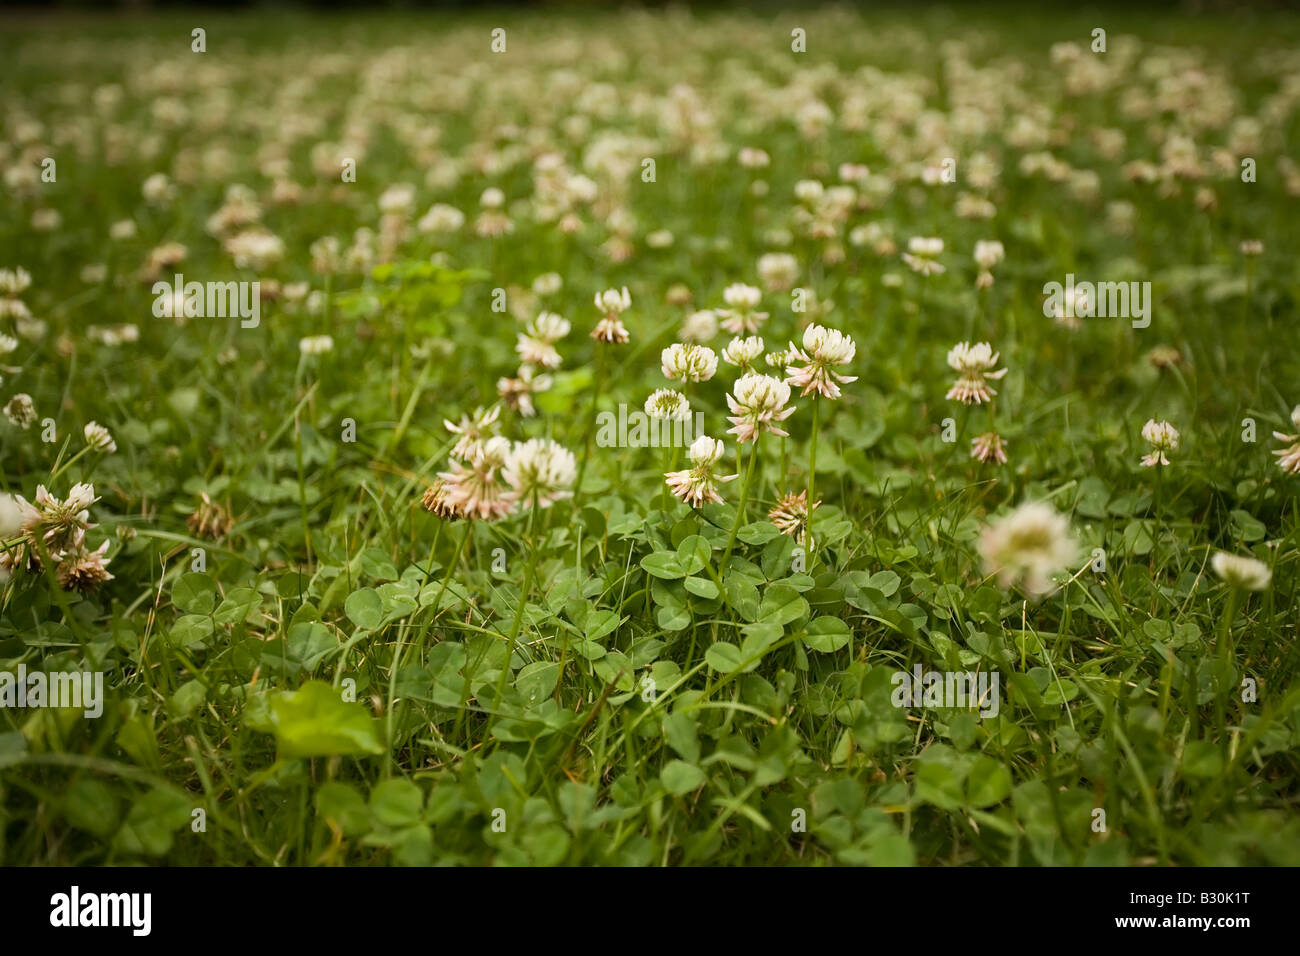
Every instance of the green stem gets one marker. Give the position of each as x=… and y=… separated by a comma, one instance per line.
x=591, y=419
x=812, y=479
x=740, y=507
x=1225, y=665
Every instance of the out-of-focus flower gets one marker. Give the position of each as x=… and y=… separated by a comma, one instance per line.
x=536, y=345
x=923, y=255
x=1288, y=459
x=610, y=329
x=517, y=393
x=99, y=438
x=472, y=431
x=1027, y=546
x=316, y=344
x=741, y=315
x=20, y=411
x=210, y=519
x=700, y=326
x=1249, y=574
x=539, y=471
x=1162, y=437
x=778, y=271
x=989, y=447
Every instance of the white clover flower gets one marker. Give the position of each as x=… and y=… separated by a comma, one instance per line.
x=548, y=283
x=988, y=253
x=742, y=351
x=853, y=172
x=922, y=255
x=698, y=485
x=757, y=405
x=157, y=188
x=1288, y=459
x=1162, y=437
x=741, y=316
x=7, y=343
x=472, y=431
x=778, y=271
x=492, y=198
x=1027, y=546
x=548, y=327
x=753, y=158
x=690, y=363
x=539, y=470
x=255, y=249
x=975, y=365
x=517, y=393
x=441, y=218
x=823, y=349
x=1248, y=574
x=700, y=326
x=316, y=344
x=989, y=447
x=738, y=295
x=99, y=438
x=14, y=281
x=665, y=404
x=20, y=411
x=398, y=198
x=14, y=516
x=808, y=190
x=474, y=489
x=536, y=345
x=122, y=229
x=614, y=301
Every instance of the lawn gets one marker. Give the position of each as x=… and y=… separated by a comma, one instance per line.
x=410, y=423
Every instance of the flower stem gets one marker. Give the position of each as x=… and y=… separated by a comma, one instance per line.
x=740, y=507
x=1225, y=665
x=591, y=419
x=812, y=479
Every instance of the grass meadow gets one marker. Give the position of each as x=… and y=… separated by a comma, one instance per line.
x=411, y=423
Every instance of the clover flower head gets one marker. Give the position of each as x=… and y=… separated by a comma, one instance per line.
x=758, y=404
x=539, y=470
x=742, y=351
x=698, y=485
x=690, y=363
x=823, y=350
x=99, y=438
x=1162, y=437
x=974, y=363
x=1027, y=546
x=667, y=405
x=1249, y=574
